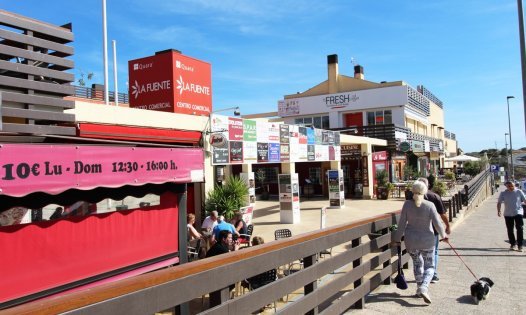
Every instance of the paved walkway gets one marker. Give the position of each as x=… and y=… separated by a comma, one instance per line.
x=481, y=240
x=267, y=219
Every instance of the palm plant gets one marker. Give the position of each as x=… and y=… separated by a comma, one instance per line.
x=227, y=199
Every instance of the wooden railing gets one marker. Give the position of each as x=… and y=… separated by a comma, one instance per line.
x=356, y=267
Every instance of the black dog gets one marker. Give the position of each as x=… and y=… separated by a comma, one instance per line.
x=480, y=289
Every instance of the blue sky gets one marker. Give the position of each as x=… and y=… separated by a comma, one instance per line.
x=466, y=52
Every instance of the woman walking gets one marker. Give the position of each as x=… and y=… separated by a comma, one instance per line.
x=417, y=220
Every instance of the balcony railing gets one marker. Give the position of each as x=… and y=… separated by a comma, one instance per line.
x=392, y=134
x=95, y=94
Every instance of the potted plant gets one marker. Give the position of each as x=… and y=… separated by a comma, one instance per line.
x=227, y=199
x=381, y=181
x=408, y=191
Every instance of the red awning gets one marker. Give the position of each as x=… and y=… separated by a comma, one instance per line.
x=143, y=134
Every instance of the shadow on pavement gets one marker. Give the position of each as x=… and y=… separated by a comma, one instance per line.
x=403, y=300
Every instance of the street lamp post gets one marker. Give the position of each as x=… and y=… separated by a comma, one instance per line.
x=509, y=131
x=506, y=144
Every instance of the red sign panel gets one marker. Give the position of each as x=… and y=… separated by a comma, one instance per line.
x=53, y=168
x=171, y=82
x=235, y=129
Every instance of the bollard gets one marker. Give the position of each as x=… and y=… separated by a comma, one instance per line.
x=450, y=210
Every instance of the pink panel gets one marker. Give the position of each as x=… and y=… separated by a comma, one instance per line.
x=55, y=168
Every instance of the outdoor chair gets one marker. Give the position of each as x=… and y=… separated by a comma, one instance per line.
x=244, y=239
x=289, y=268
x=193, y=252
x=282, y=233
x=260, y=280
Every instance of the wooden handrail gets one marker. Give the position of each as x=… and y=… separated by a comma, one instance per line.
x=79, y=299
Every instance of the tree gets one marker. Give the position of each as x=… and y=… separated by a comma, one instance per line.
x=473, y=168
x=89, y=76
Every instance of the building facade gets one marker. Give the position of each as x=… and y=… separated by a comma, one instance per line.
x=411, y=120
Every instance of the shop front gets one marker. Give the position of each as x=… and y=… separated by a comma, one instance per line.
x=73, y=215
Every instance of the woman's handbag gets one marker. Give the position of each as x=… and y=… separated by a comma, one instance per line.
x=400, y=278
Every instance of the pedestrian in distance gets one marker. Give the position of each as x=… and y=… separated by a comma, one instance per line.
x=513, y=200
x=417, y=220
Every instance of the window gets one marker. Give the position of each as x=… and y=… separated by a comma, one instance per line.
x=380, y=117
x=315, y=175
x=271, y=174
x=317, y=122
x=320, y=122
x=325, y=122
x=388, y=117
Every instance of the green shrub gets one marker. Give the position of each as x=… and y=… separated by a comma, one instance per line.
x=449, y=175
x=381, y=178
x=229, y=198
x=473, y=168
x=440, y=188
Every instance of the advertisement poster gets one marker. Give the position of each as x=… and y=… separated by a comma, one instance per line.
x=294, y=150
x=235, y=129
x=236, y=152
x=302, y=135
x=284, y=152
x=284, y=133
x=365, y=172
x=318, y=134
x=289, y=201
x=262, y=131
x=249, y=130
x=322, y=152
x=273, y=152
x=311, y=137
x=262, y=152
x=335, y=187
x=220, y=156
x=311, y=152
x=325, y=137
x=248, y=178
x=219, y=123
x=250, y=151
x=273, y=133
x=261, y=142
x=302, y=153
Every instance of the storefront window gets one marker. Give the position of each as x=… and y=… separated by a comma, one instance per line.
x=317, y=122
x=271, y=174
x=315, y=175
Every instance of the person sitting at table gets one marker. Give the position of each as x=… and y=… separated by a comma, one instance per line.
x=192, y=233
x=222, y=246
x=239, y=223
x=209, y=222
x=223, y=225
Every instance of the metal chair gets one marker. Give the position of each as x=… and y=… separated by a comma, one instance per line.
x=244, y=239
x=193, y=252
x=260, y=280
x=282, y=233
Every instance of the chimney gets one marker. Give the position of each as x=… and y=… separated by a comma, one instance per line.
x=358, y=72
x=332, y=68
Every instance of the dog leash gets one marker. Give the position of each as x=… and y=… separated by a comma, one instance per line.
x=476, y=278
